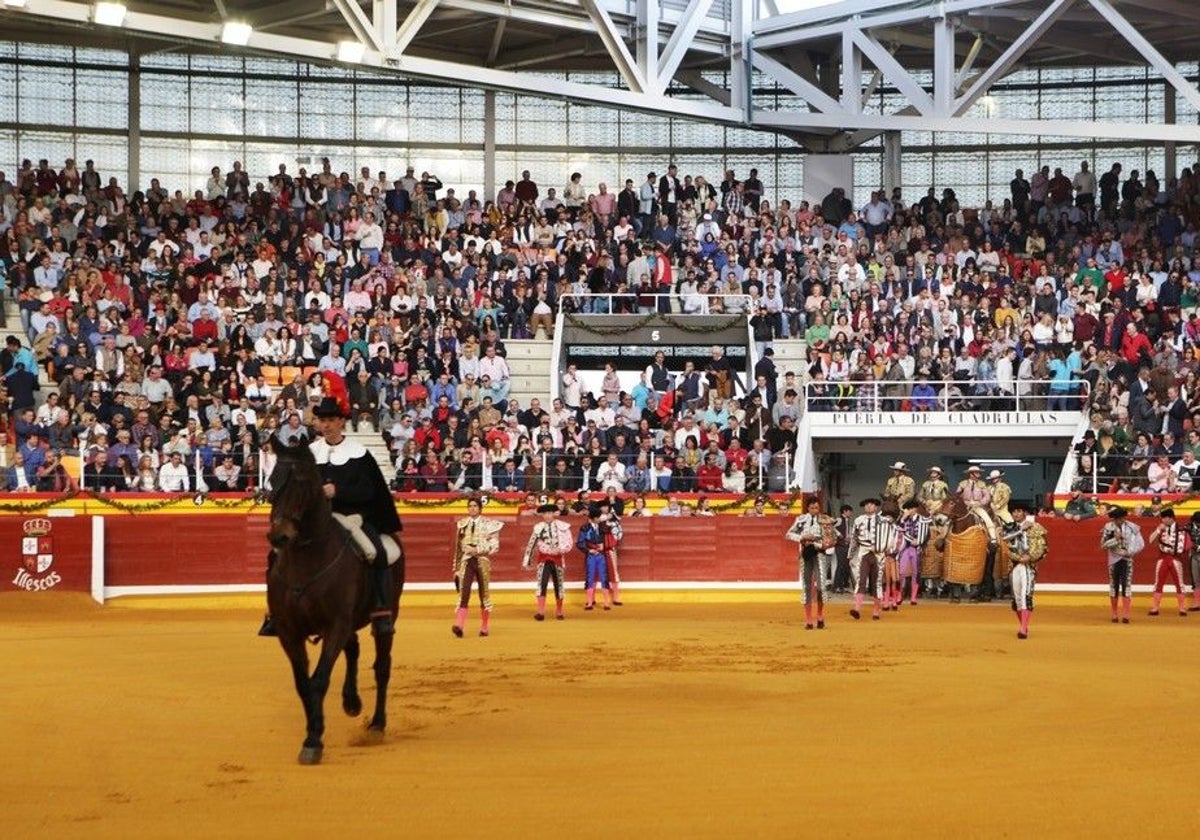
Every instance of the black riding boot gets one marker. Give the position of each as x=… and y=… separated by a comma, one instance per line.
x=381, y=591
x=381, y=588
x=268, y=626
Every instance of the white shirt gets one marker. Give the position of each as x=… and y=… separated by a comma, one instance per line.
x=172, y=478
x=611, y=475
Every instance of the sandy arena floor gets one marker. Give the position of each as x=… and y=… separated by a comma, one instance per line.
x=672, y=720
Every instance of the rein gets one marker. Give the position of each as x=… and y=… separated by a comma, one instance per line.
x=298, y=591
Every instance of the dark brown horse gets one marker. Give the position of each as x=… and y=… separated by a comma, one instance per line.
x=955, y=517
x=318, y=587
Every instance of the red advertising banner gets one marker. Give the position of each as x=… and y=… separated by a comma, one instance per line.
x=47, y=552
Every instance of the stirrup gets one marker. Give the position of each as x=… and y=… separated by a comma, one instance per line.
x=268, y=627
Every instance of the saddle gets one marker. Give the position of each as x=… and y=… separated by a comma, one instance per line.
x=354, y=526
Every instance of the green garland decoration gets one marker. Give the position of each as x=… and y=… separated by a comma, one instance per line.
x=579, y=323
x=682, y=324
x=41, y=506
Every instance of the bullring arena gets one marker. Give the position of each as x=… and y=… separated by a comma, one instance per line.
x=707, y=712
x=874, y=323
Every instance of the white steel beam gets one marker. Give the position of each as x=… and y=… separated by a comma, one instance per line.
x=697, y=82
x=852, y=98
x=402, y=37
x=831, y=21
x=497, y=39
x=647, y=43
x=741, y=23
x=1001, y=67
x=1155, y=59
x=681, y=39
x=1152, y=133
x=892, y=69
x=362, y=26
x=796, y=83
x=944, y=61
x=615, y=44
x=960, y=78
x=208, y=32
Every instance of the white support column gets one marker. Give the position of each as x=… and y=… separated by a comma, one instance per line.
x=1169, y=161
x=852, y=99
x=647, y=44
x=489, y=145
x=944, y=61
x=134, y=121
x=892, y=161
x=741, y=26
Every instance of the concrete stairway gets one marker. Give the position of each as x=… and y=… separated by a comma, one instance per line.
x=529, y=368
x=790, y=356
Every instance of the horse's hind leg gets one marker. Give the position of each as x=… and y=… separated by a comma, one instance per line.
x=383, y=672
x=351, y=702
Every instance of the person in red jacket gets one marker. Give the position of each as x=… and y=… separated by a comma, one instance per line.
x=709, y=475
x=1134, y=344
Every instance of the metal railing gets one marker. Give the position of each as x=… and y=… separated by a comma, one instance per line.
x=1111, y=474
x=876, y=396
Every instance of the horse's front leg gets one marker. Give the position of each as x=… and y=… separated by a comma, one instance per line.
x=351, y=702
x=383, y=672
x=318, y=685
x=297, y=654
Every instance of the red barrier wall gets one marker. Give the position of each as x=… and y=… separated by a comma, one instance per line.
x=200, y=549
x=43, y=553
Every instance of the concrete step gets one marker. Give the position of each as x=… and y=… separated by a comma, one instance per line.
x=536, y=350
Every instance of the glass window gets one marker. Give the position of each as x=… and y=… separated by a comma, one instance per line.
x=326, y=111
x=101, y=98
x=271, y=109
x=46, y=95
x=164, y=103
x=216, y=105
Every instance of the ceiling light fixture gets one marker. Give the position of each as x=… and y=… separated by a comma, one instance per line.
x=351, y=52
x=236, y=33
x=108, y=14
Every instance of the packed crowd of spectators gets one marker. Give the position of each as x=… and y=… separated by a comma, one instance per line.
x=178, y=334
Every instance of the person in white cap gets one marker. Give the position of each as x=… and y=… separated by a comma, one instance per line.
x=1001, y=496
x=900, y=488
x=934, y=491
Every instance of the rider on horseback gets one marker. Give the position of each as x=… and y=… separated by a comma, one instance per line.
x=355, y=485
x=934, y=491
x=900, y=488
x=978, y=498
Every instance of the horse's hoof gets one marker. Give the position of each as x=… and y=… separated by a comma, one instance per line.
x=352, y=706
x=375, y=729
x=310, y=755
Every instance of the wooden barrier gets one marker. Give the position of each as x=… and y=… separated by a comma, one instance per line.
x=228, y=547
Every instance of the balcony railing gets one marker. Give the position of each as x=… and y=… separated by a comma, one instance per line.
x=869, y=397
